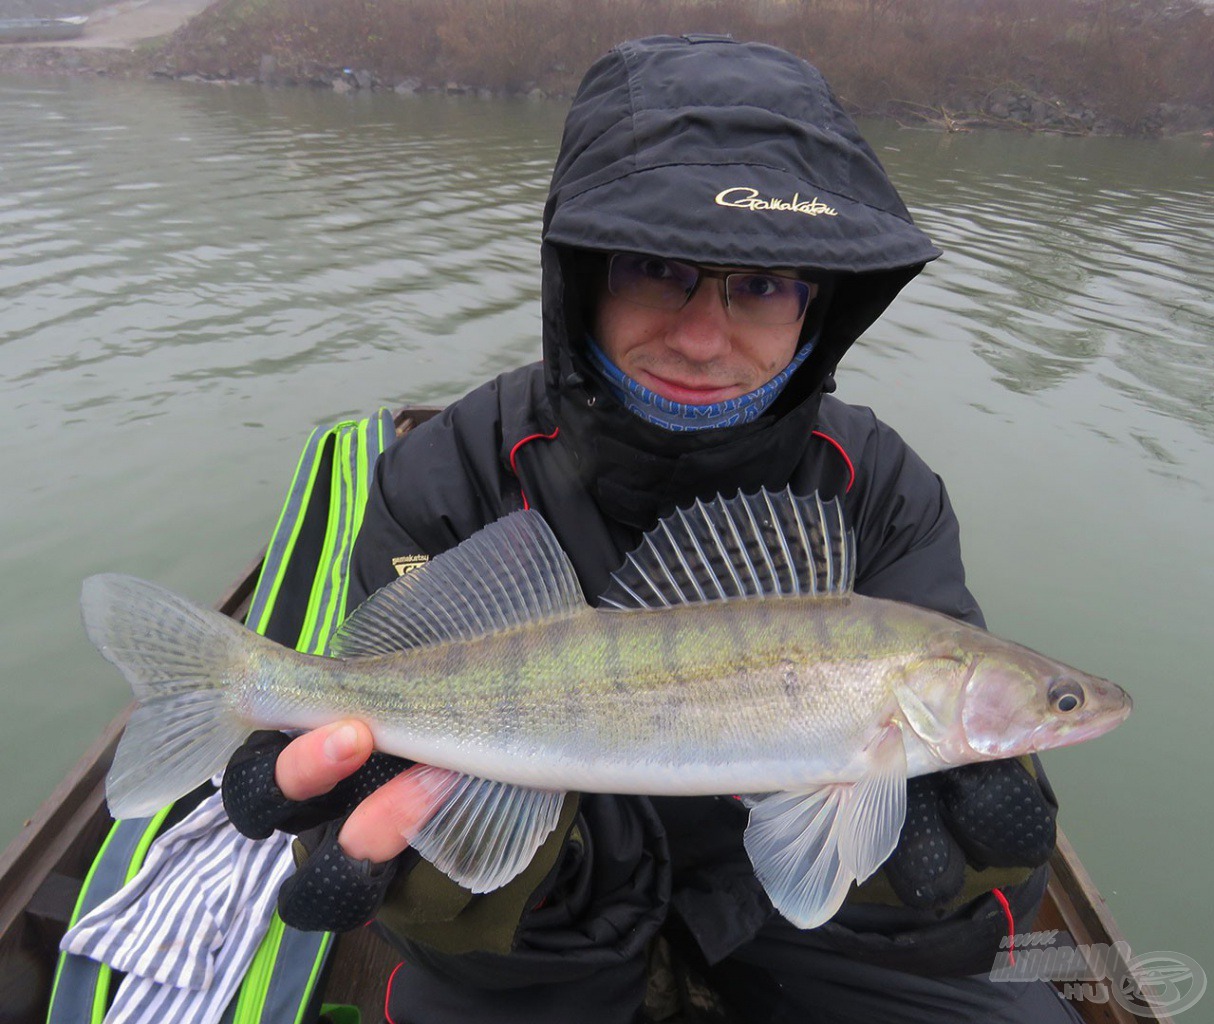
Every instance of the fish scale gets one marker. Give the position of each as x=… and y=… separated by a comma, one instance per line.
x=615, y=693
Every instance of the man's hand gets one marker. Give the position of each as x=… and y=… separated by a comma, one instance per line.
x=351, y=807
x=962, y=822
x=311, y=765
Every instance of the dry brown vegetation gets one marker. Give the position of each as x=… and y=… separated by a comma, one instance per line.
x=1118, y=65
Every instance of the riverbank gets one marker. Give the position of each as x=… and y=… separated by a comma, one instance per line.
x=1054, y=65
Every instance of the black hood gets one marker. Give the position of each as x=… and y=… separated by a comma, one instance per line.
x=716, y=152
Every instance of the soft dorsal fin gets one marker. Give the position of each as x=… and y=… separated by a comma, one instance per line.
x=751, y=545
x=509, y=573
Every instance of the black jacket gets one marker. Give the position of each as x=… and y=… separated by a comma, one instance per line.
x=499, y=447
x=663, y=141
x=496, y=449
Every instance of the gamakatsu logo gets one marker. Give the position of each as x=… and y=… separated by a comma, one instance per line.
x=748, y=199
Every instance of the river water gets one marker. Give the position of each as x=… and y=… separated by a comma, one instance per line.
x=192, y=277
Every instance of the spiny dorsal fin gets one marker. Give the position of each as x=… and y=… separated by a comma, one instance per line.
x=510, y=573
x=751, y=545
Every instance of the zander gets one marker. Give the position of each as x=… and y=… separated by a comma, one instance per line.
x=731, y=657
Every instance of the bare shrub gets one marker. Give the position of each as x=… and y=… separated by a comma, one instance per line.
x=1121, y=58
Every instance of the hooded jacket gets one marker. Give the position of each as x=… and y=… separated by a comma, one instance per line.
x=710, y=151
x=707, y=150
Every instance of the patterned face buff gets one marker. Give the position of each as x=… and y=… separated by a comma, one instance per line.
x=678, y=416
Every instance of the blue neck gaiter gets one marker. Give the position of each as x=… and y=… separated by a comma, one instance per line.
x=678, y=416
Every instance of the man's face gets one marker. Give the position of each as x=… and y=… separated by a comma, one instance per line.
x=696, y=355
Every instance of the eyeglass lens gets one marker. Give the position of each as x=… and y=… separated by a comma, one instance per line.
x=659, y=283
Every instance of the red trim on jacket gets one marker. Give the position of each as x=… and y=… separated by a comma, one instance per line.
x=1011, y=925
x=514, y=455
x=851, y=469
x=388, y=992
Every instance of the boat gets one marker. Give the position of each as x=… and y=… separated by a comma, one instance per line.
x=41, y=30
x=42, y=870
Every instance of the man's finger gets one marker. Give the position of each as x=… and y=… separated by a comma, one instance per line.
x=376, y=828
x=312, y=764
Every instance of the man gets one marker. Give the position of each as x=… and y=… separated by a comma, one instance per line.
x=716, y=237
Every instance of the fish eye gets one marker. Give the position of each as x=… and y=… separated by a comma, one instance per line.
x=1065, y=696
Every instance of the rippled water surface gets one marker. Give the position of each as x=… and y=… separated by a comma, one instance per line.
x=191, y=278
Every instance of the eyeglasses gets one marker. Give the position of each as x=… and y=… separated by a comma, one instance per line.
x=755, y=297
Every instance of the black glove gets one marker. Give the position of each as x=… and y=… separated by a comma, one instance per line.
x=329, y=891
x=332, y=892
x=962, y=823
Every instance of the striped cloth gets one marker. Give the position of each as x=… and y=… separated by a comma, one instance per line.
x=186, y=927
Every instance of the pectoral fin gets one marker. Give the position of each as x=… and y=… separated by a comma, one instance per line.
x=483, y=833
x=807, y=848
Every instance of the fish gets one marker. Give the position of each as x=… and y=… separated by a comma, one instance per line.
x=730, y=655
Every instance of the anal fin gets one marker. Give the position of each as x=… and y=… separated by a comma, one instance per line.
x=808, y=847
x=483, y=833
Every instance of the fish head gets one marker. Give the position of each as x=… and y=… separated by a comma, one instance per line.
x=1017, y=701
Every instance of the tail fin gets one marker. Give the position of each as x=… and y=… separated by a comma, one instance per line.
x=179, y=659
